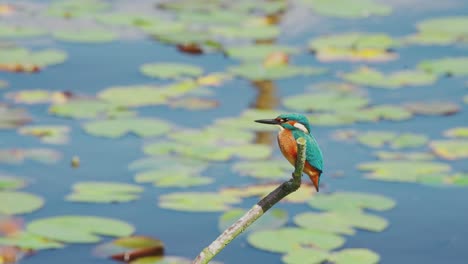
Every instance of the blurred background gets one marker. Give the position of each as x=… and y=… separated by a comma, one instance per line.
x=126, y=127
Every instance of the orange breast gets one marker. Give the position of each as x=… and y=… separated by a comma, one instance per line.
x=288, y=145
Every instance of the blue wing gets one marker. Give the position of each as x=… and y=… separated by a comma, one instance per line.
x=313, y=152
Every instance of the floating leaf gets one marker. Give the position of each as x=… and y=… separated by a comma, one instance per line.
x=373, y=78
x=11, y=31
x=355, y=256
x=345, y=9
x=170, y=70
x=258, y=72
x=47, y=134
x=114, y=128
x=29, y=241
x=433, y=108
x=385, y=155
x=377, y=139
x=134, y=95
x=258, y=52
x=18, y=156
x=38, y=96
x=403, y=171
x=255, y=32
x=77, y=8
x=287, y=239
x=19, y=202
x=84, y=108
x=450, y=149
x=12, y=117
x=86, y=36
x=165, y=260
x=173, y=177
x=457, y=132
x=312, y=255
x=10, y=182
x=23, y=60
x=273, y=219
x=131, y=248
x=264, y=169
x=197, y=201
x=104, y=192
x=351, y=201
x=457, y=66
x=442, y=31
x=79, y=229
x=326, y=101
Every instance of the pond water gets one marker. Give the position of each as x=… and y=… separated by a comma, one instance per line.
x=426, y=225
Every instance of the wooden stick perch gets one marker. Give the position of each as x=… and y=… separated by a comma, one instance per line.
x=257, y=210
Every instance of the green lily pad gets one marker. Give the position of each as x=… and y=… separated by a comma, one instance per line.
x=255, y=32
x=170, y=70
x=355, y=256
x=86, y=36
x=133, y=95
x=459, y=179
x=84, y=108
x=128, y=249
x=373, y=78
x=216, y=17
x=354, y=46
x=346, y=9
x=26, y=58
x=378, y=139
x=197, y=201
x=457, y=66
x=450, y=149
x=258, y=72
x=18, y=156
x=325, y=101
x=11, y=31
x=288, y=239
x=104, y=192
x=47, y=134
x=433, y=108
x=264, y=169
x=457, y=132
x=173, y=177
x=302, y=195
x=168, y=162
x=77, y=8
x=386, y=155
x=442, y=31
x=12, y=117
x=25, y=240
x=14, y=203
x=273, y=219
x=312, y=255
x=11, y=182
x=404, y=170
x=165, y=260
x=258, y=52
x=36, y=96
x=79, y=229
x=115, y=128
x=351, y=201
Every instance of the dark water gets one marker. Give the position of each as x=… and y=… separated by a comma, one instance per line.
x=428, y=225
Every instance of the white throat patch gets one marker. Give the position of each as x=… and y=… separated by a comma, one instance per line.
x=301, y=127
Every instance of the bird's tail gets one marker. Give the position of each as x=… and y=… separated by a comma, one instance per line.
x=315, y=178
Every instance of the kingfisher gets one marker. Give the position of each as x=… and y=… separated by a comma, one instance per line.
x=292, y=127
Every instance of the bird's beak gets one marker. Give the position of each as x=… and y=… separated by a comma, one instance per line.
x=268, y=121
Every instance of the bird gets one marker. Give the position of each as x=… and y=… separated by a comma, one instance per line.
x=292, y=127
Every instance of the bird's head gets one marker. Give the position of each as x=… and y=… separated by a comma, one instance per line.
x=289, y=121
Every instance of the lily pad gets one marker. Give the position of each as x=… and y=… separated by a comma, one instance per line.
x=312, y=255
x=325, y=101
x=47, y=134
x=351, y=201
x=84, y=108
x=346, y=9
x=23, y=60
x=26, y=240
x=165, y=260
x=104, y=192
x=258, y=52
x=197, y=201
x=355, y=256
x=170, y=70
x=450, y=149
x=12, y=31
x=373, y=78
x=79, y=229
x=38, y=96
x=77, y=8
x=18, y=156
x=258, y=72
x=131, y=248
x=456, y=66
x=133, y=95
x=264, y=169
x=11, y=182
x=254, y=32
x=386, y=155
x=12, y=117
x=14, y=203
x=403, y=171
x=377, y=139
x=115, y=128
x=86, y=36
x=433, y=108
x=288, y=239
x=173, y=177
x=457, y=132
x=302, y=195
x=273, y=219
x=441, y=30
